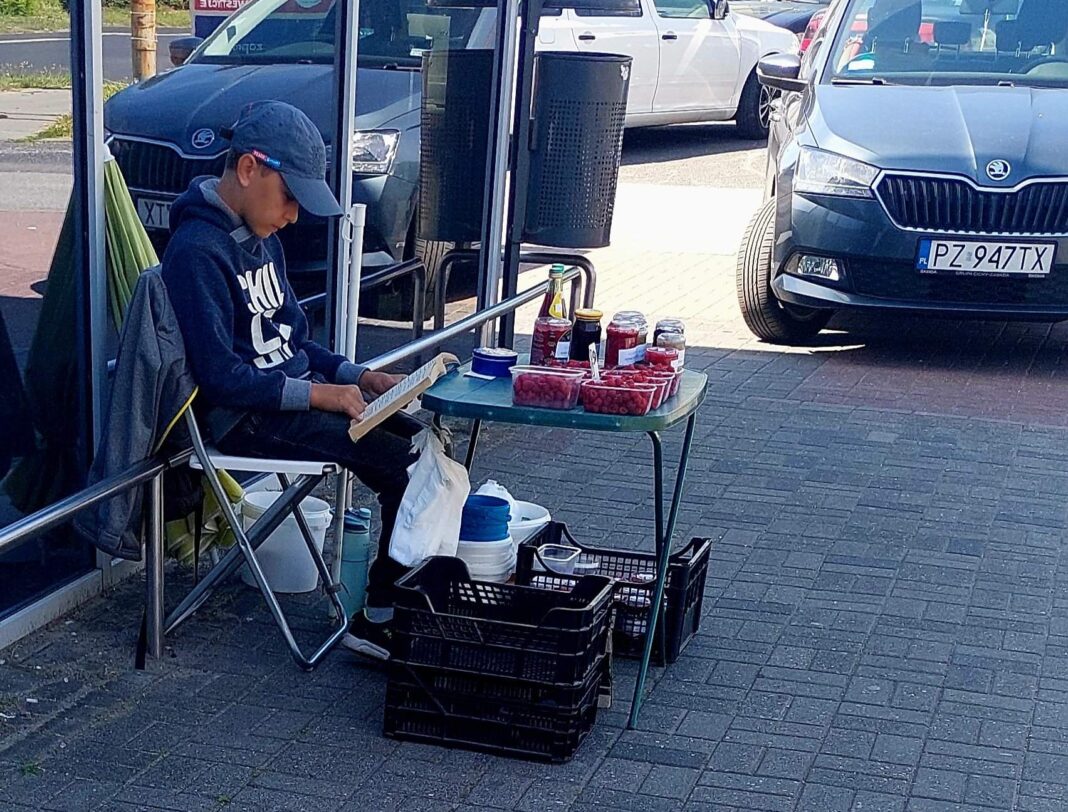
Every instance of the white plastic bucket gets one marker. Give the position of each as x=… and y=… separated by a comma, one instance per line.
x=527, y=519
x=284, y=556
x=488, y=560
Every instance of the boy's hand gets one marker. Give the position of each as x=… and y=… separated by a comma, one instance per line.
x=336, y=398
x=378, y=383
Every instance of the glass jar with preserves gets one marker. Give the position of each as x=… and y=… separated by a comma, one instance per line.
x=663, y=357
x=585, y=333
x=621, y=343
x=674, y=341
x=637, y=320
x=668, y=326
x=548, y=333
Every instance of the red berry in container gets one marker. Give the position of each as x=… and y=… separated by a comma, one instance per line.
x=545, y=387
x=631, y=398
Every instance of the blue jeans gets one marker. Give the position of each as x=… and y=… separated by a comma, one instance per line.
x=379, y=459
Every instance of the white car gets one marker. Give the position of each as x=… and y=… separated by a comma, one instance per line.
x=693, y=59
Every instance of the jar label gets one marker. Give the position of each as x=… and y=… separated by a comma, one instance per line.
x=563, y=349
x=631, y=355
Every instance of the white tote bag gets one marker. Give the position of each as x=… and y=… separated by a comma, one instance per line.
x=428, y=521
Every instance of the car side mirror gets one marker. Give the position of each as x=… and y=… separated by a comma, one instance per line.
x=781, y=72
x=181, y=48
x=720, y=8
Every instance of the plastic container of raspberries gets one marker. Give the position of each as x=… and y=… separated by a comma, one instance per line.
x=546, y=387
x=606, y=398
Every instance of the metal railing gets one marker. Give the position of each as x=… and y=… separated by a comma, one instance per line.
x=152, y=470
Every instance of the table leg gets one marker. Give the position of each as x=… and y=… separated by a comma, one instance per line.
x=476, y=427
x=658, y=518
x=664, y=557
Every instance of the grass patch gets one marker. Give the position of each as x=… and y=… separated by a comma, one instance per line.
x=48, y=15
x=63, y=127
x=33, y=80
x=30, y=769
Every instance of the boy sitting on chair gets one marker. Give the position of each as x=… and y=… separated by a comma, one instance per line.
x=266, y=389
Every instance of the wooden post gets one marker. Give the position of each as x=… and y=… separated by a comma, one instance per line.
x=143, y=38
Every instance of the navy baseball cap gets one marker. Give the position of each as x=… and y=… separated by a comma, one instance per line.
x=281, y=137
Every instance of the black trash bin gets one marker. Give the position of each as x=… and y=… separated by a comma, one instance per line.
x=452, y=153
x=580, y=103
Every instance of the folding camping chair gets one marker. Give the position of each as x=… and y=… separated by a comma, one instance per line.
x=297, y=479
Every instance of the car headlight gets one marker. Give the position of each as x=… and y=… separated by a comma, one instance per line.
x=825, y=173
x=373, y=151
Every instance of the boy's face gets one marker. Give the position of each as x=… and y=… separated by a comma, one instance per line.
x=268, y=205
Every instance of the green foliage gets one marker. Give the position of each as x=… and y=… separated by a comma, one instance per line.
x=16, y=8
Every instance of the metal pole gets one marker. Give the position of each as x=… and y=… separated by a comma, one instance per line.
x=347, y=235
x=154, y=569
x=520, y=161
x=493, y=213
x=357, y=219
x=88, y=200
x=345, y=77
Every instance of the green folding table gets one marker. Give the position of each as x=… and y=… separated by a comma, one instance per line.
x=481, y=400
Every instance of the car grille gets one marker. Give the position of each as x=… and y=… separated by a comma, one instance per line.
x=905, y=283
x=159, y=168
x=954, y=205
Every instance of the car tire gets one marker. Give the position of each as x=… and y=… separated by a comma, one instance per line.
x=765, y=316
x=754, y=109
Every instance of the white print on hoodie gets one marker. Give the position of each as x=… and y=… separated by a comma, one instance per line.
x=265, y=297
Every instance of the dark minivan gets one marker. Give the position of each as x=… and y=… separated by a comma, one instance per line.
x=916, y=164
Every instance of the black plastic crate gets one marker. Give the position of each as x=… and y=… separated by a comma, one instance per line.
x=634, y=575
x=493, y=714
x=444, y=619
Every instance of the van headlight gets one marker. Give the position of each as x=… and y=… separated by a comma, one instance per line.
x=826, y=173
x=373, y=151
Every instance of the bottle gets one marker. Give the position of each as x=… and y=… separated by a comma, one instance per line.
x=553, y=303
x=356, y=554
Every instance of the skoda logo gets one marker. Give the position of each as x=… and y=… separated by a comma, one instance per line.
x=203, y=138
x=998, y=170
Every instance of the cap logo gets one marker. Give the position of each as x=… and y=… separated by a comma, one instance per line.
x=266, y=160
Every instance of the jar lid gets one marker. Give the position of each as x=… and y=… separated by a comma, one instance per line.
x=495, y=352
x=589, y=315
x=671, y=323
x=553, y=321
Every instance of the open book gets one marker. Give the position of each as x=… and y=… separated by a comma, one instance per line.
x=402, y=394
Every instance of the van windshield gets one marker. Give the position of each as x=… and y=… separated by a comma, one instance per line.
x=393, y=33
x=952, y=42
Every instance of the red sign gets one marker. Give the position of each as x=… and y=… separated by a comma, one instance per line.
x=216, y=6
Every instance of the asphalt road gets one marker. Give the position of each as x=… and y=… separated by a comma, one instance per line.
x=51, y=52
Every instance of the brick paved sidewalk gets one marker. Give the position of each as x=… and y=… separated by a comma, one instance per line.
x=886, y=623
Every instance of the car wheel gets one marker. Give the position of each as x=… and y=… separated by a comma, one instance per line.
x=765, y=316
x=754, y=109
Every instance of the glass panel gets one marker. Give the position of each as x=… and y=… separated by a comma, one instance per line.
x=953, y=42
x=684, y=9
x=42, y=448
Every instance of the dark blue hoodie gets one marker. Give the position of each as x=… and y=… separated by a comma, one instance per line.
x=245, y=334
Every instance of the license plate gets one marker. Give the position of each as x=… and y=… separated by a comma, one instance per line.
x=154, y=213
x=980, y=258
